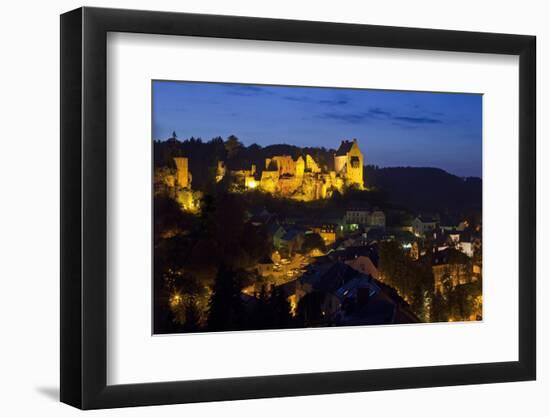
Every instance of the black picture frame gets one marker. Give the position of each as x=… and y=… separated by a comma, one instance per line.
x=84, y=207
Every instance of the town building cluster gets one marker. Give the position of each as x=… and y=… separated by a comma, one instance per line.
x=346, y=275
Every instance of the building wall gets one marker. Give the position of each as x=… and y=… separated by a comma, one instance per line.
x=420, y=228
x=357, y=217
x=377, y=218
x=340, y=164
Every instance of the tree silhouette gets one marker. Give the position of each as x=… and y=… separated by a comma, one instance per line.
x=280, y=309
x=226, y=307
x=262, y=317
x=309, y=311
x=192, y=316
x=313, y=241
x=233, y=146
x=438, y=310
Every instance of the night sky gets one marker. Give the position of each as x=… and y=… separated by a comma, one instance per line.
x=394, y=128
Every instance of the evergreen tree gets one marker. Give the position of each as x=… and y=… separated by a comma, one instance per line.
x=233, y=146
x=438, y=310
x=309, y=311
x=225, y=308
x=262, y=317
x=192, y=316
x=280, y=308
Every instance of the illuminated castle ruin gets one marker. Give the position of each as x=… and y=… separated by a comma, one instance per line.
x=177, y=184
x=245, y=177
x=348, y=163
x=303, y=179
x=183, y=176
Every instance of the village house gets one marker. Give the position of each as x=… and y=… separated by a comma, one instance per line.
x=364, y=217
x=450, y=268
x=361, y=258
x=347, y=296
x=357, y=216
x=327, y=231
x=376, y=218
x=423, y=224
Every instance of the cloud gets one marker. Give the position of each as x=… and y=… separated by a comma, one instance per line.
x=376, y=113
x=353, y=118
x=326, y=102
x=336, y=102
x=246, y=90
x=358, y=117
x=417, y=120
x=379, y=112
x=299, y=99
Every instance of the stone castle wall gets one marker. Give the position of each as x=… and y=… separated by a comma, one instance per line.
x=301, y=179
x=182, y=172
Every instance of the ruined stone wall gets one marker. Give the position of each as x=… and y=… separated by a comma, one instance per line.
x=304, y=179
x=285, y=164
x=182, y=172
x=288, y=185
x=268, y=181
x=300, y=167
x=311, y=165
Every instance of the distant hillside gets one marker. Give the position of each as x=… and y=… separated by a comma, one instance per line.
x=425, y=188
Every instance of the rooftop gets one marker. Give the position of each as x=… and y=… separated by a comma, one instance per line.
x=345, y=147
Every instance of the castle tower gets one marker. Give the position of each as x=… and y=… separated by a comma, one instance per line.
x=182, y=175
x=348, y=163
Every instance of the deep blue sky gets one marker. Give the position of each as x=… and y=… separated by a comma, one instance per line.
x=394, y=128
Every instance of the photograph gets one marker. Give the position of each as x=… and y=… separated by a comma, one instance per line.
x=280, y=207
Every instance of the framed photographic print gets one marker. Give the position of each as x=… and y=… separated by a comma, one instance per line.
x=258, y=208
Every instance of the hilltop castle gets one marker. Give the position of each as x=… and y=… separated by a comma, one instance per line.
x=303, y=179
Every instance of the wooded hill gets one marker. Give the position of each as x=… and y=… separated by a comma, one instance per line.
x=428, y=189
